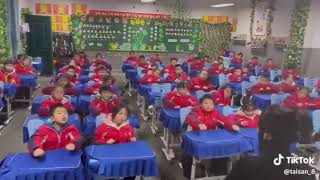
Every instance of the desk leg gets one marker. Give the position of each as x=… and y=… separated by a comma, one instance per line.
x=30, y=98
x=193, y=169
x=154, y=127
x=143, y=108
x=167, y=151
x=129, y=91
x=9, y=111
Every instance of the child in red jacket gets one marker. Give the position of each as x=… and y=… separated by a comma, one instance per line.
x=100, y=61
x=247, y=117
x=200, y=83
x=218, y=70
x=198, y=64
x=223, y=96
x=116, y=128
x=84, y=61
x=57, y=97
x=206, y=117
x=246, y=72
x=155, y=59
x=70, y=71
x=72, y=63
x=180, y=98
x=58, y=135
x=253, y=62
x=264, y=87
x=269, y=66
x=293, y=72
x=178, y=75
x=107, y=80
x=132, y=59
x=142, y=63
x=301, y=100
x=151, y=78
x=24, y=65
x=63, y=81
x=8, y=74
x=100, y=72
x=104, y=102
x=191, y=58
x=171, y=68
x=288, y=85
x=236, y=77
x=217, y=62
x=237, y=59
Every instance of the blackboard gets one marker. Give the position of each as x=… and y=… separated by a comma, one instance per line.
x=124, y=34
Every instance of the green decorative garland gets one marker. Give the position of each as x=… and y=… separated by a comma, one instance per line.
x=23, y=38
x=4, y=42
x=293, y=58
x=214, y=38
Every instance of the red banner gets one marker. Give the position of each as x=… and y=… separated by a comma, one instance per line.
x=128, y=14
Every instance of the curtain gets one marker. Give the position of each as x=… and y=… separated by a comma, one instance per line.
x=13, y=25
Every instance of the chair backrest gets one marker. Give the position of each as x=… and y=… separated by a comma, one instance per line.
x=207, y=66
x=227, y=110
x=274, y=74
x=133, y=121
x=226, y=62
x=189, y=68
x=200, y=94
x=245, y=86
x=1, y=88
x=278, y=98
x=33, y=125
x=316, y=121
x=310, y=82
x=257, y=70
x=314, y=94
x=254, y=79
x=222, y=80
x=90, y=74
x=166, y=87
x=183, y=113
x=139, y=71
x=99, y=120
x=155, y=87
x=165, y=75
x=180, y=61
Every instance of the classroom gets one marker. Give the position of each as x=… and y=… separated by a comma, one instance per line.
x=159, y=89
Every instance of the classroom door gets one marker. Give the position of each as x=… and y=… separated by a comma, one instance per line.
x=39, y=41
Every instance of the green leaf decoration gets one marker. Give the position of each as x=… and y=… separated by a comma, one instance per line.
x=4, y=42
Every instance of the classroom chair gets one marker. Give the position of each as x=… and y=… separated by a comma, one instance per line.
x=254, y=79
x=133, y=121
x=200, y=94
x=257, y=70
x=278, y=98
x=245, y=86
x=228, y=110
x=316, y=121
x=274, y=74
x=183, y=114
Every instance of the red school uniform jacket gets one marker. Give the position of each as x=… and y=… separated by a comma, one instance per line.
x=245, y=121
x=100, y=105
x=155, y=60
x=267, y=67
x=292, y=72
x=95, y=88
x=220, y=99
x=96, y=78
x=74, y=80
x=150, y=79
x=198, y=84
x=82, y=62
x=235, y=79
x=173, y=99
x=288, y=88
x=217, y=71
x=12, y=77
x=20, y=69
x=173, y=77
x=170, y=69
x=77, y=70
x=210, y=119
x=197, y=65
x=216, y=64
x=236, y=60
x=267, y=88
x=132, y=60
x=252, y=63
x=306, y=103
x=47, y=104
x=143, y=65
x=103, y=62
x=120, y=134
x=68, y=90
x=48, y=138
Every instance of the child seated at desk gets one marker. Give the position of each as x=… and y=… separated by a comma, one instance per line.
x=191, y=58
x=132, y=59
x=23, y=66
x=247, y=116
x=301, y=100
x=178, y=75
x=63, y=81
x=155, y=59
x=107, y=80
x=264, y=87
x=223, y=96
x=8, y=73
x=217, y=62
x=218, y=70
x=292, y=72
x=237, y=59
x=99, y=73
x=72, y=75
x=151, y=78
x=100, y=61
x=200, y=83
x=142, y=63
x=236, y=77
x=198, y=64
x=253, y=62
x=72, y=63
x=58, y=135
x=83, y=61
x=57, y=97
x=171, y=68
x=104, y=102
x=180, y=98
x=246, y=72
x=269, y=66
x=288, y=85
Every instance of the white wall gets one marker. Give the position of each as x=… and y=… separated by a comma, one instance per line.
x=312, y=36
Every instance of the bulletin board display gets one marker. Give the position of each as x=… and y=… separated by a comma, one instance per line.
x=140, y=34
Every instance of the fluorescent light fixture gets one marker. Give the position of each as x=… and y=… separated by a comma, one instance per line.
x=147, y=1
x=222, y=5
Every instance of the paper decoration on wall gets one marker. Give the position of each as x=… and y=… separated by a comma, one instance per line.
x=43, y=9
x=260, y=19
x=80, y=9
x=215, y=19
x=234, y=25
x=129, y=14
x=60, y=9
x=61, y=23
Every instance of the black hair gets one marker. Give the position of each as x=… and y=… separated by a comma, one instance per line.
x=266, y=77
x=178, y=65
x=181, y=85
x=71, y=67
x=206, y=96
x=9, y=61
x=255, y=57
x=224, y=87
x=105, y=89
x=98, y=54
x=197, y=58
x=156, y=69
x=240, y=53
x=54, y=107
x=23, y=57
x=269, y=59
x=173, y=59
x=118, y=107
x=19, y=56
x=132, y=51
x=76, y=54
x=219, y=58
x=142, y=57
x=101, y=67
x=106, y=78
x=248, y=107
